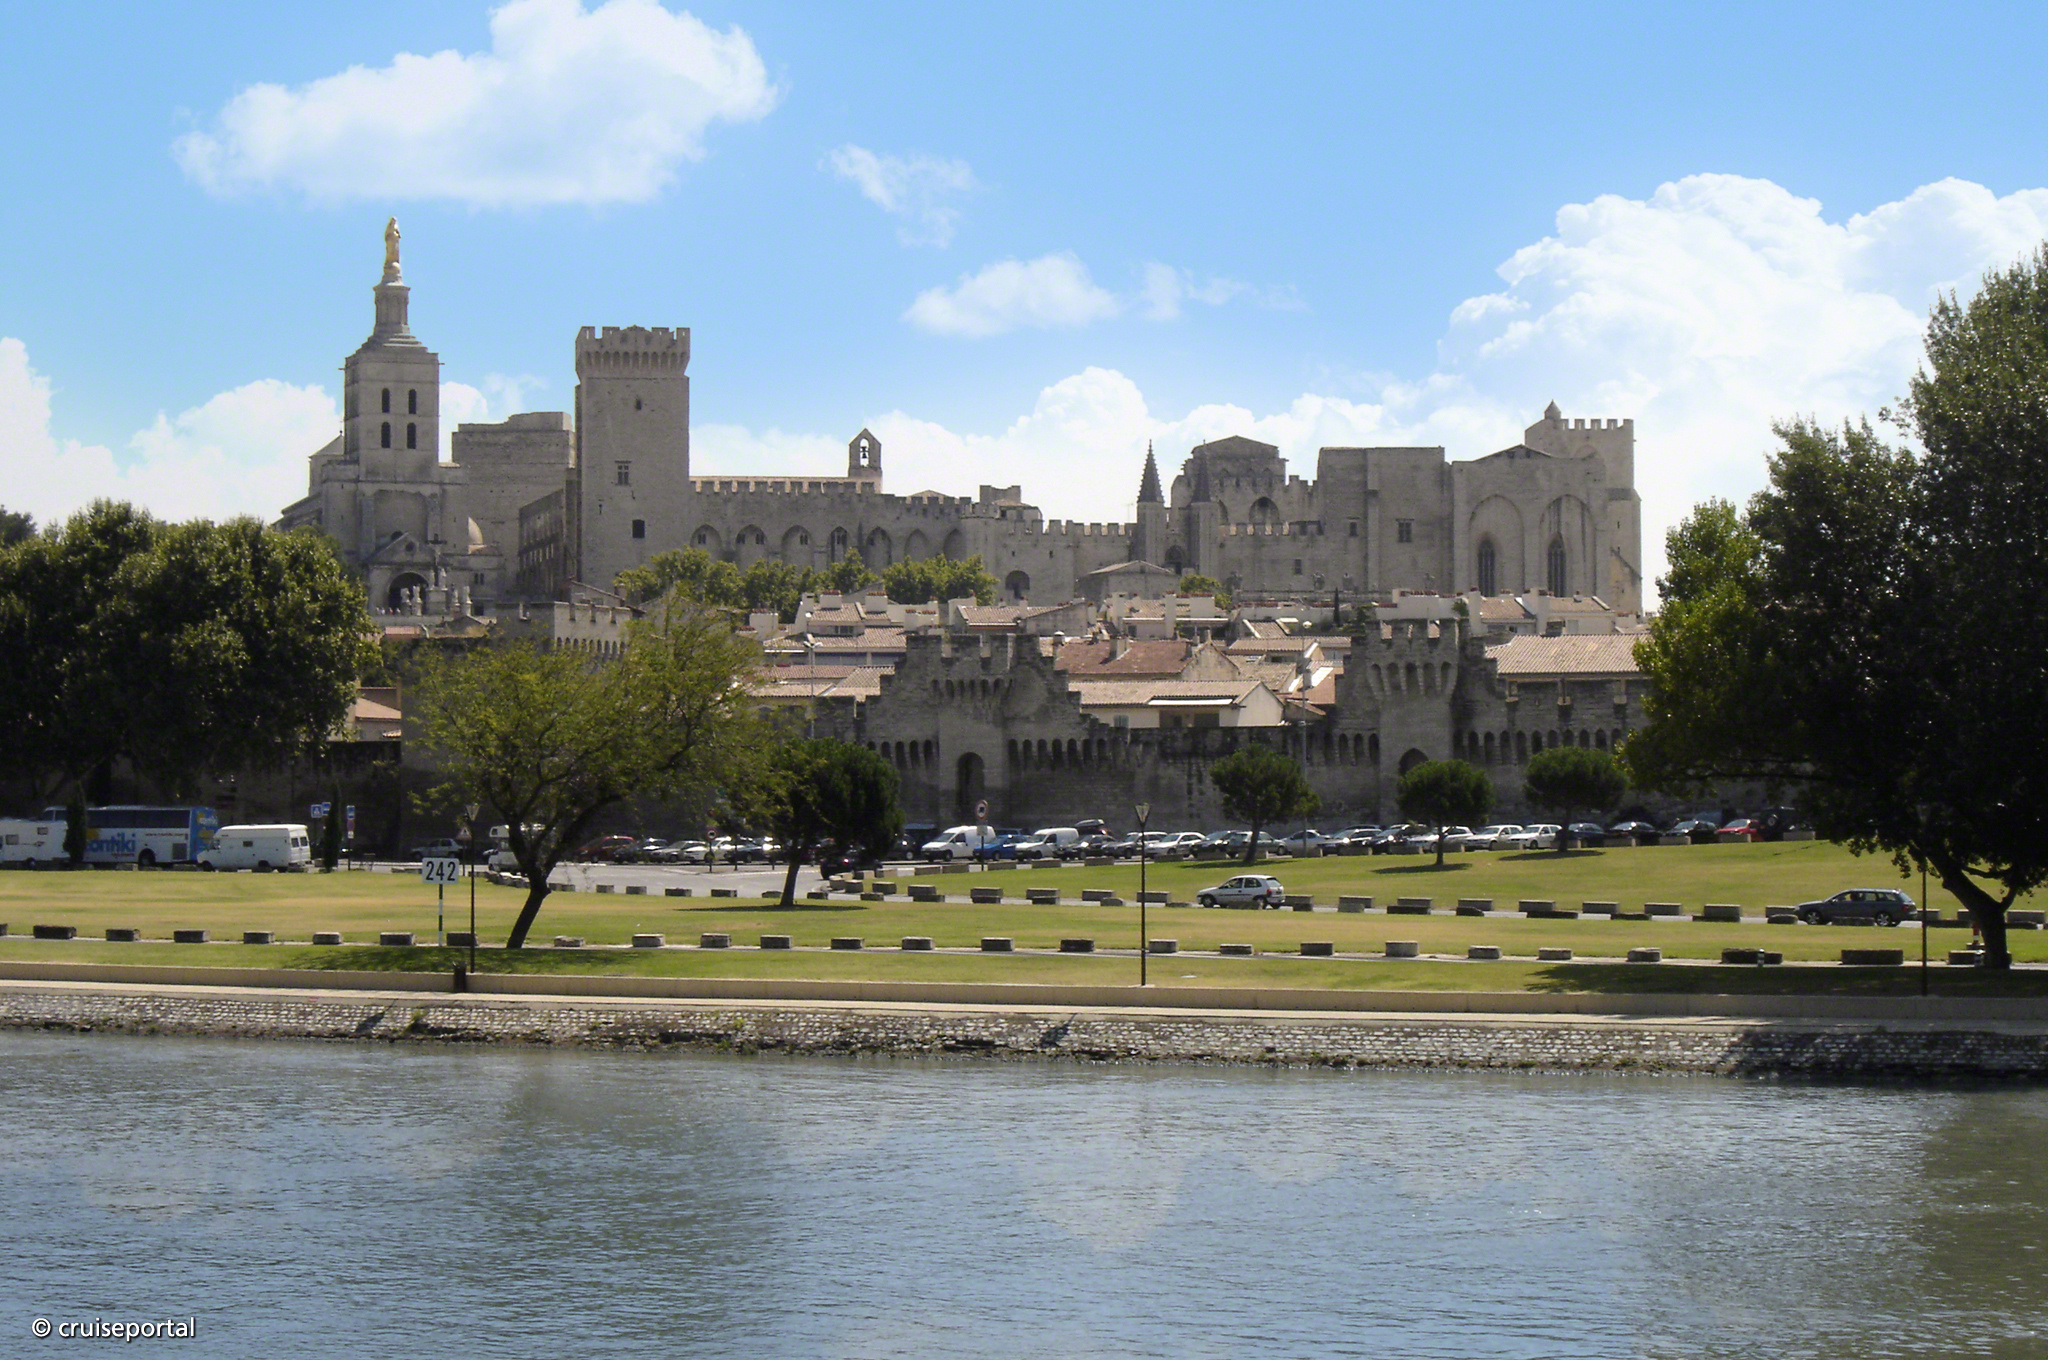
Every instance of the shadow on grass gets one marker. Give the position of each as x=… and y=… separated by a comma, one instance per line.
x=1432, y=867
x=725, y=906
x=1548, y=856
x=1749, y=980
x=375, y=959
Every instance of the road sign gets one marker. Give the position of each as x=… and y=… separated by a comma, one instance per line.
x=981, y=811
x=351, y=821
x=441, y=870
x=322, y=809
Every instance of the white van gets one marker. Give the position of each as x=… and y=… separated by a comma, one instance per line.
x=284, y=847
x=956, y=842
x=1047, y=842
x=28, y=844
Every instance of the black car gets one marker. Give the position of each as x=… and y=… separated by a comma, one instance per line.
x=1097, y=846
x=1587, y=835
x=1633, y=833
x=1698, y=830
x=1879, y=906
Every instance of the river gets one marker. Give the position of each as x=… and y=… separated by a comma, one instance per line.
x=310, y=1199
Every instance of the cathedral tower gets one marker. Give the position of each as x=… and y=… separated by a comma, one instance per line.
x=391, y=388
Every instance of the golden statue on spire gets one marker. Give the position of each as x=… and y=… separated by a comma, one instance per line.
x=391, y=249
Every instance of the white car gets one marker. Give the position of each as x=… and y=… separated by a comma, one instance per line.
x=1246, y=890
x=1541, y=836
x=1310, y=842
x=1184, y=843
x=1492, y=837
x=1047, y=843
x=1455, y=838
x=955, y=842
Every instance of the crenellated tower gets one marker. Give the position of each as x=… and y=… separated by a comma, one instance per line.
x=632, y=479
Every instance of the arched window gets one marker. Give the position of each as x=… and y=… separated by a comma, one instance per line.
x=412, y=401
x=836, y=545
x=1554, y=567
x=412, y=435
x=387, y=401
x=386, y=438
x=1489, y=568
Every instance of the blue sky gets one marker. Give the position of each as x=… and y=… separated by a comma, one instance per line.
x=1017, y=241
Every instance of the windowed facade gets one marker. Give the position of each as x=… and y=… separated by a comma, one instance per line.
x=1489, y=568
x=387, y=403
x=384, y=438
x=1404, y=531
x=412, y=402
x=639, y=528
x=1554, y=566
x=622, y=474
x=412, y=435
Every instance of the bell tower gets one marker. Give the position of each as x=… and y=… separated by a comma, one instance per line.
x=864, y=458
x=391, y=388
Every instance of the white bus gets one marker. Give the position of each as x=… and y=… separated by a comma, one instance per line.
x=31, y=844
x=130, y=834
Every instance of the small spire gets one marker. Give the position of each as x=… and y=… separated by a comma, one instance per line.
x=1148, y=485
x=1551, y=412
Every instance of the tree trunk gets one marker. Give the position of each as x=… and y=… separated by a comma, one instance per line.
x=536, y=893
x=1439, y=847
x=796, y=859
x=1987, y=911
x=1251, y=847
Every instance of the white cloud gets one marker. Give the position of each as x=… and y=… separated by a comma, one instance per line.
x=241, y=453
x=1051, y=291
x=917, y=187
x=568, y=106
x=1166, y=287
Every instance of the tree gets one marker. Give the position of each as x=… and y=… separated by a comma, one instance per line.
x=819, y=790
x=1441, y=793
x=1194, y=583
x=551, y=740
x=331, y=831
x=1260, y=786
x=1870, y=628
x=15, y=527
x=939, y=578
x=1567, y=779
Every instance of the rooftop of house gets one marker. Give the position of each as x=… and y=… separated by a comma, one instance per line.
x=1573, y=654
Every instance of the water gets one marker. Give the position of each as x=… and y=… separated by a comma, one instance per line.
x=301, y=1199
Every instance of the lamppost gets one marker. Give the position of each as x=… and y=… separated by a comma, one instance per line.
x=472, y=810
x=811, y=683
x=1144, y=811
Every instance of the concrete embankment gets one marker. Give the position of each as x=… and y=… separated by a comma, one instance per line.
x=1852, y=1049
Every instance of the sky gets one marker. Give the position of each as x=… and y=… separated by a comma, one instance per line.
x=1017, y=242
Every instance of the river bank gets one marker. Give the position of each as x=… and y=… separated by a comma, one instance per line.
x=1858, y=1049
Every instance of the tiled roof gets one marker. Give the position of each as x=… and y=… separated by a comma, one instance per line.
x=369, y=710
x=1113, y=693
x=1097, y=656
x=1504, y=608
x=1604, y=654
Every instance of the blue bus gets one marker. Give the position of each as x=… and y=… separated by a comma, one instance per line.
x=130, y=834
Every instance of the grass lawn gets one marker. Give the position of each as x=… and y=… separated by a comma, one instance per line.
x=359, y=905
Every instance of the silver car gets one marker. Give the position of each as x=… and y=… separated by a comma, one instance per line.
x=1880, y=906
x=1246, y=890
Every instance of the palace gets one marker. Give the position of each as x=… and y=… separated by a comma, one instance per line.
x=540, y=505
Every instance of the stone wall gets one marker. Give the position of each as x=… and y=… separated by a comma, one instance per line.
x=1777, y=1048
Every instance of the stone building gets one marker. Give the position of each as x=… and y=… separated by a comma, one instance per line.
x=537, y=505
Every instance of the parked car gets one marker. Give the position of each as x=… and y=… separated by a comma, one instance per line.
x=1698, y=830
x=692, y=852
x=1748, y=828
x=1538, y=836
x=1047, y=843
x=1357, y=836
x=1246, y=890
x=1633, y=833
x=1881, y=906
x=954, y=843
x=1234, y=843
x=1180, y=842
x=1588, y=835
x=1306, y=842
x=1491, y=837
x=283, y=847
x=605, y=849
x=1454, y=838
x=1097, y=846
x=1399, y=840
x=833, y=861
x=1003, y=845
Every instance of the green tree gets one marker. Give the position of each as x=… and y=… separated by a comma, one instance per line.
x=1870, y=627
x=15, y=527
x=1441, y=793
x=330, y=832
x=818, y=791
x=931, y=579
x=551, y=740
x=74, y=827
x=1568, y=779
x=1260, y=786
x=1195, y=583
x=700, y=577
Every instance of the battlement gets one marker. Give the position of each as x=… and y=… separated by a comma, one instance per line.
x=782, y=486
x=1060, y=528
x=632, y=348
x=1597, y=424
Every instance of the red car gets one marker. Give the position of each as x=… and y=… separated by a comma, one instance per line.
x=605, y=848
x=1749, y=828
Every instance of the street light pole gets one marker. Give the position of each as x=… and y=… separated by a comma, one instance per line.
x=473, y=809
x=1144, y=811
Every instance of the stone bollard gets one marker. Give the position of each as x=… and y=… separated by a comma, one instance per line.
x=1719, y=911
x=650, y=941
x=1463, y=910
x=725, y=892
x=1483, y=951
x=636, y=890
x=997, y=944
x=1781, y=916
x=1474, y=906
x=874, y=897
x=1412, y=906
x=326, y=937
x=714, y=939
x=54, y=932
x=846, y=942
x=1096, y=895
x=1965, y=958
x=562, y=887
x=775, y=942
x=925, y=892
x=1318, y=949
x=1042, y=897
x=395, y=939
x=985, y=897
x=1664, y=908
x=1112, y=901
x=259, y=937
x=122, y=935
x=1236, y=951
x=817, y=895
x=1077, y=946
x=917, y=944
x=1599, y=908
x=1354, y=904
x=568, y=942
x=1553, y=954
x=675, y=892
x=1157, y=899
x=1874, y=958
x=1535, y=907
x=607, y=887
x=1299, y=902
x=1404, y=949
x=881, y=888
x=1753, y=957
x=1646, y=955
x=1098, y=862
x=1162, y=946
x=1047, y=864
